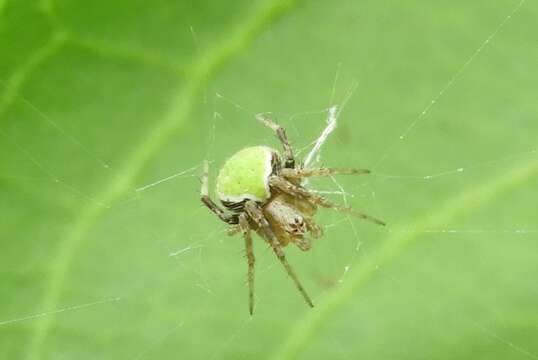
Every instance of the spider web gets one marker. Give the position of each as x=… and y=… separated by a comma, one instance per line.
x=188, y=253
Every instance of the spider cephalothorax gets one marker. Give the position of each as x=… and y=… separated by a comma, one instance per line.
x=262, y=191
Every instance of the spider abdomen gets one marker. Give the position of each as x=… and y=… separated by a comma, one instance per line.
x=245, y=176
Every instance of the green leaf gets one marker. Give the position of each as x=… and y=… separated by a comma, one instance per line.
x=107, y=110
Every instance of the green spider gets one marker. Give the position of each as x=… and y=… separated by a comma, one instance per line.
x=262, y=191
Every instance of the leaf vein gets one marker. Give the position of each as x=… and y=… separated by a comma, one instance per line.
x=21, y=75
x=238, y=39
x=134, y=55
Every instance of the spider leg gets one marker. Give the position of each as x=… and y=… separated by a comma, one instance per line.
x=295, y=190
x=281, y=134
x=301, y=173
x=255, y=213
x=206, y=199
x=245, y=229
x=314, y=228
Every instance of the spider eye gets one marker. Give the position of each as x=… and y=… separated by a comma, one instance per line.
x=298, y=225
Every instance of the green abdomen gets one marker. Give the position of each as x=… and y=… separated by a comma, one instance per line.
x=245, y=176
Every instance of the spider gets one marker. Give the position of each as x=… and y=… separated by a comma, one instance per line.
x=262, y=191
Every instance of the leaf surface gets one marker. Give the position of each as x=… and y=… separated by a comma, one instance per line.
x=107, y=110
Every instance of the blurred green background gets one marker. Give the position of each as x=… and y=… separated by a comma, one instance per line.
x=100, y=98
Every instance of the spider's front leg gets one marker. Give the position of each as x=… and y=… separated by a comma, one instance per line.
x=256, y=214
x=289, y=161
x=299, y=173
x=206, y=199
x=286, y=186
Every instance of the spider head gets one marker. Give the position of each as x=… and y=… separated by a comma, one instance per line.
x=290, y=219
x=297, y=225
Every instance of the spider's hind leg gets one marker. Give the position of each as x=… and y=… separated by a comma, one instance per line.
x=206, y=199
x=289, y=161
x=244, y=227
